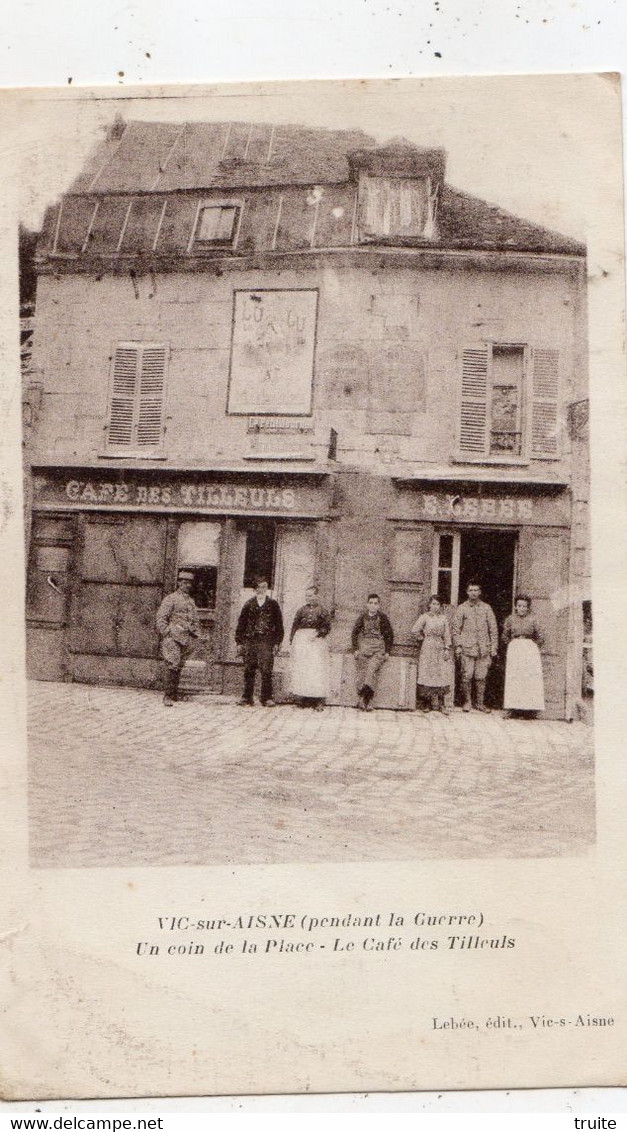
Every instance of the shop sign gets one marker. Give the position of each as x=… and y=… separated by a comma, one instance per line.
x=504, y=509
x=170, y=494
x=488, y=507
x=221, y=496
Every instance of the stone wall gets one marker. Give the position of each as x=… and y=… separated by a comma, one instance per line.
x=387, y=358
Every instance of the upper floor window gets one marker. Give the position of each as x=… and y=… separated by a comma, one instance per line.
x=396, y=207
x=509, y=403
x=137, y=399
x=216, y=226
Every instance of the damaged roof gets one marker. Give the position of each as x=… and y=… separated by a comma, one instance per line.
x=140, y=194
x=162, y=156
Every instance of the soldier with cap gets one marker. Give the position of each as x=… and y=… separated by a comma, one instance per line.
x=476, y=642
x=178, y=625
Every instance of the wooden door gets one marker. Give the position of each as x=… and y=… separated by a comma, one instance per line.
x=119, y=587
x=543, y=575
x=295, y=569
x=409, y=580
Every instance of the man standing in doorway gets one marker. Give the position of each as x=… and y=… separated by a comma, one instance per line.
x=258, y=638
x=476, y=642
x=177, y=625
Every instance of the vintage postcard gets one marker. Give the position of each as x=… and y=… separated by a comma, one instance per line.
x=313, y=487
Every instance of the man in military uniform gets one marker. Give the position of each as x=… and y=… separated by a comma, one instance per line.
x=258, y=638
x=178, y=625
x=476, y=642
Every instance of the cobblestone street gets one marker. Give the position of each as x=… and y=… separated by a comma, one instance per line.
x=116, y=779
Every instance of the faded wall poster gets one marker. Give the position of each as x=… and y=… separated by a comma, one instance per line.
x=272, y=351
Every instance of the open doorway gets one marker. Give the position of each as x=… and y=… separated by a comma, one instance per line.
x=489, y=558
x=199, y=552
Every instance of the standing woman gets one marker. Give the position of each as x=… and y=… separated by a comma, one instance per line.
x=310, y=651
x=522, y=639
x=432, y=628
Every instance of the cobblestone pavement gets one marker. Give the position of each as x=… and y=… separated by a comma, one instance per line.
x=117, y=779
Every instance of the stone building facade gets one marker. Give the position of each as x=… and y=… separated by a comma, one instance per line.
x=302, y=353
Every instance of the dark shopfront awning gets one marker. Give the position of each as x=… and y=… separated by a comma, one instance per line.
x=508, y=479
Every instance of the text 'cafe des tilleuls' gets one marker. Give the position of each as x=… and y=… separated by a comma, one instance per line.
x=298, y=353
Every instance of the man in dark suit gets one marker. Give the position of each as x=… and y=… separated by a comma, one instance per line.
x=258, y=638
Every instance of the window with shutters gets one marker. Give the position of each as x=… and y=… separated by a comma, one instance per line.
x=509, y=410
x=136, y=401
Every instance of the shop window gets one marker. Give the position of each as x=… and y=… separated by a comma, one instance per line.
x=509, y=403
x=204, y=586
x=137, y=397
x=394, y=207
x=259, y=558
x=444, y=578
x=445, y=572
x=216, y=226
x=199, y=551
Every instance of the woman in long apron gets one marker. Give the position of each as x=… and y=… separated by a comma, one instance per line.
x=310, y=652
x=522, y=639
x=434, y=663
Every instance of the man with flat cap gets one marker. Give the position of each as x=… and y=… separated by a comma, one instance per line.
x=258, y=638
x=178, y=626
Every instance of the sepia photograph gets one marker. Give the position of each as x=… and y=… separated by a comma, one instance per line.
x=306, y=483
x=314, y=703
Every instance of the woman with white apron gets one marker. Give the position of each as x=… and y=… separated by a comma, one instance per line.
x=310, y=652
x=524, y=683
x=434, y=663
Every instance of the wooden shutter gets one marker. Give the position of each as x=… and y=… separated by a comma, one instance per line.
x=473, y=426
x=544, y=406
x=123, y=394
x=151, y=390
x=137, y=396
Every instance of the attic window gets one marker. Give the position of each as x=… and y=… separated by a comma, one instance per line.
x=396, y=207
x=216, y=226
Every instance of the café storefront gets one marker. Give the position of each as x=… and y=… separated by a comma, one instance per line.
x=106, y=547
x=508, y=536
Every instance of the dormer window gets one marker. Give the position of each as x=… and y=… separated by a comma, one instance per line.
x=216, y=226
x=398, y=185
x=394, y=207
